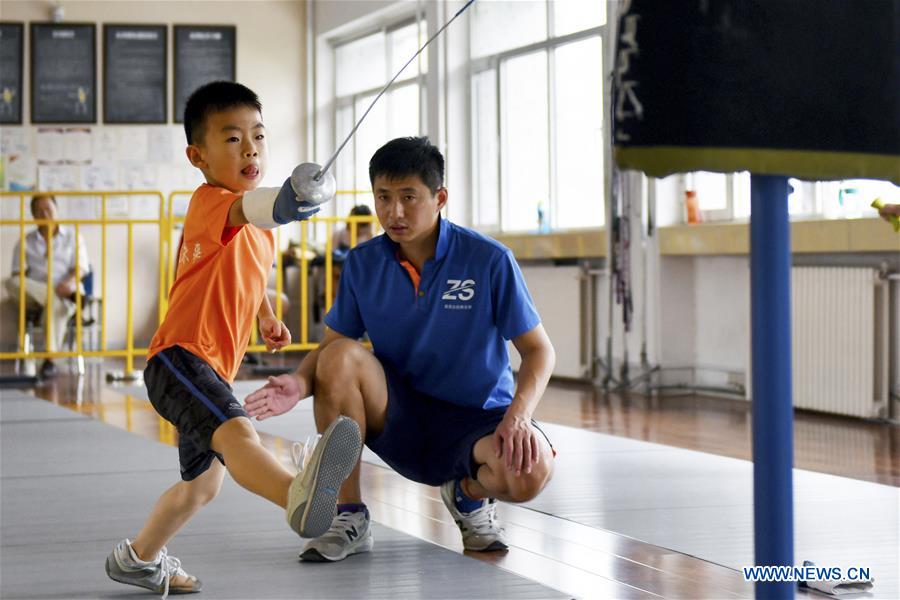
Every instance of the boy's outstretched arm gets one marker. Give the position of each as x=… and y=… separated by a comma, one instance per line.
x=281, y=393
x=515, y=439
x=268, y=208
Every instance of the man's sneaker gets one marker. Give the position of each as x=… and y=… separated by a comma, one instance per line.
x=480, y=530
x=324, y=465
x=163, y=576
x=350, y=533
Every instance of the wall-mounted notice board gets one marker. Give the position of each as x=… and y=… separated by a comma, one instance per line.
x=203, y=53
x=11, y=36
x=63, y=73
x=134, y=73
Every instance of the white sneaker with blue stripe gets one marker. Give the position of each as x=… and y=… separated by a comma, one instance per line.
x=481, y=532
x=350, y=533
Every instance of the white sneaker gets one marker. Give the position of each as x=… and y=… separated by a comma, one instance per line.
x=163, y=575
x=350, y=533
x=324, y=465
x=480, y=530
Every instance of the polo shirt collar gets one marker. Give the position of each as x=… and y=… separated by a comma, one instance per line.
x=443, y=242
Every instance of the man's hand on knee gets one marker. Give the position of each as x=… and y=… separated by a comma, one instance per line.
x=517, y=443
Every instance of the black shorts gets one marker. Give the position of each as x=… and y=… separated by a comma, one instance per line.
x=190, y=395
x=428, y=440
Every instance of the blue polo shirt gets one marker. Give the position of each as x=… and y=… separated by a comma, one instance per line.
x=448, y=340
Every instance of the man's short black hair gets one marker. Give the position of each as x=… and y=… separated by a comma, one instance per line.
x=211, y=98
x=38, y=197
x=406, y=156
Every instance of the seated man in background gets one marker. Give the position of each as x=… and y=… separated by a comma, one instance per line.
x=66, y=251
x=341, y=240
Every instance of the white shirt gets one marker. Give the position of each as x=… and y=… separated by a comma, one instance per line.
x=64, y=253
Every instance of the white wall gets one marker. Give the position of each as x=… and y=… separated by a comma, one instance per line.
x=271, y=60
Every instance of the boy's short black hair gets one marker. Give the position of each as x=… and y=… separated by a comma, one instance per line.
x=406, y=156
x=211, y=98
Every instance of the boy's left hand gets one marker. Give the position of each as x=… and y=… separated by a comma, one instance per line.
x=274, y=333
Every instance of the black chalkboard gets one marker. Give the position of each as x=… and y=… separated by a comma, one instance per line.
x=800, y=87
x=203, y=53
x=134, y=73
x=63, y=73
x=11, y=37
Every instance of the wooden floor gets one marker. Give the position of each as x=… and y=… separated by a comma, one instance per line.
x=579, y=560
x=865, y=450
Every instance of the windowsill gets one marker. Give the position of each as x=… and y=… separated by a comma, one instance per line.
x=710, y=239
x=572, y=243
x=807, y=236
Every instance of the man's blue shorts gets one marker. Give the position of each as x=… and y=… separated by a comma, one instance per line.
x=428, y=440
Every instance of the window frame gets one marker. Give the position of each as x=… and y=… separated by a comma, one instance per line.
x=339, y=103
x=495, y=61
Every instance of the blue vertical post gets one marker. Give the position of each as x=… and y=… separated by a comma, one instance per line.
x=773, y=440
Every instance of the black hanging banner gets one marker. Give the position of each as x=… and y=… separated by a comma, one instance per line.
x=11, y=37
x=134, y=73
x=63, y=73
x=203, y=53
x=806, y=88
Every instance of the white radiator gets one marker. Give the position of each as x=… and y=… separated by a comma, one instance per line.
x=840, y=340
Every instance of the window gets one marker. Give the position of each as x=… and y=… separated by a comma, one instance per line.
x=579, y=135
x=847, y=199
x=537, y=114
x=361, y=68
x=526, y=156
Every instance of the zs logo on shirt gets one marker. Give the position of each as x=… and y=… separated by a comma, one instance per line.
x=460, y=290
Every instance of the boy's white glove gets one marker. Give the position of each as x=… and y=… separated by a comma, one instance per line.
x=270, y=207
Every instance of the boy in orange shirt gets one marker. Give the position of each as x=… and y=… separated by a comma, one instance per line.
x=220, y=286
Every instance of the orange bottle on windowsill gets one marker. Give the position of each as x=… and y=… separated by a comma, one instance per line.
x=692, y=207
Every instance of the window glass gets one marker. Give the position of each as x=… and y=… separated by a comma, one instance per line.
x=579, y=135
x=570, y=16
x=360, y=65
x=484, y=152
x=500, y=25
x=526, y=155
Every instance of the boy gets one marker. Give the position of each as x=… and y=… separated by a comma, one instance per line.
x=220, y=286
x=436, y=400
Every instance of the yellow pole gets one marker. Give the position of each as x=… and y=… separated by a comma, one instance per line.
x=129, y=318
x=304, y=277
x=162, y=228
x=129, y=422
x=77, y=292
x=103, y=276
x=279, y=284
x=22, y=272
x=170, y=226
x=353, y=225
x=328, y=265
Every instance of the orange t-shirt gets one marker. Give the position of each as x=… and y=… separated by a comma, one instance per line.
x=219, y=284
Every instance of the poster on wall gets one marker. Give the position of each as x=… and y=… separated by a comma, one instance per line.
x=134, y=73
x=11, y=36
x=63, y=73
x=203, y=53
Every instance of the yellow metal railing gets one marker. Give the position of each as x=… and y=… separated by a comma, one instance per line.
x=166, y=224
x=104, y=221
